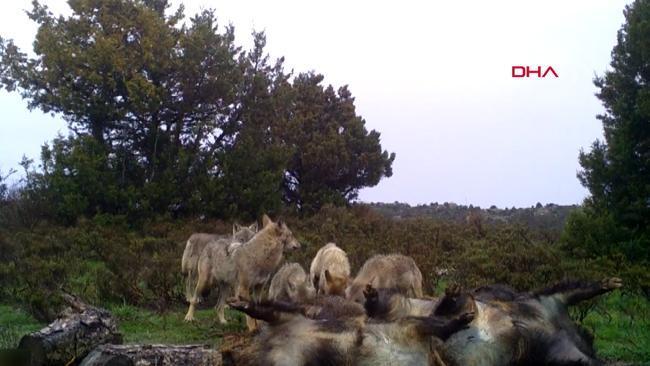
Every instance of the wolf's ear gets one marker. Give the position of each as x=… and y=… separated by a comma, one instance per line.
x=328, y=276
x=292, y=286
x=266, y=221
x=280, y=223
x=253, y=227
x=236, y=227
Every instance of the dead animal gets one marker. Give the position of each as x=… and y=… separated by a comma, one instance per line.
x=521, y=328
x=294, y=339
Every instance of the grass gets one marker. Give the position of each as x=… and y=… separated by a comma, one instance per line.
x=137, y=325
x=620, y=322
x=145, y=326
x=14, y=323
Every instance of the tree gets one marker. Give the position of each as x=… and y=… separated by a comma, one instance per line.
x=156, y=96
x=617, y=170
x=253, y=166
x=333, y=155
x=169, y=115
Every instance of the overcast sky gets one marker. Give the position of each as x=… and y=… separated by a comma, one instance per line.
x=434, y=77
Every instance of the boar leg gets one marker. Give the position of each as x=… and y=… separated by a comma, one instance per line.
x=454, y=303
x=441, y=327
x=254, y=310
x=573, y=293
x=268, y=311
x=372, y=301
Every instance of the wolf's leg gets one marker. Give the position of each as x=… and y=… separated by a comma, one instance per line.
x=417, y=290
x=194, y=299
x=201, y=285
x=244, y=293
x=188, y=286
x=189, y=317
x=222, y=294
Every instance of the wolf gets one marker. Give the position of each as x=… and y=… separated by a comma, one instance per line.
x=214, y=268
x=291, y=284
x=256, y=260
x=512, y=329
x=195, y=245
x=387, y=271
x=330, y=270
x=293, y=339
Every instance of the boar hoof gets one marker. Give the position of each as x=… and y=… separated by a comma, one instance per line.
x=237, y=303
x=612, y=283
x=453, y=290
x=370, y=292
x=467, y=317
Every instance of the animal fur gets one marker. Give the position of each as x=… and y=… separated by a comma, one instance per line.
x=330, y=270
x=390, y=304
x=214, y=268
x=296, y=340
x=195, y=245
x=260, y=257
x=387, y=271
x=512, y=329
x=291, y=284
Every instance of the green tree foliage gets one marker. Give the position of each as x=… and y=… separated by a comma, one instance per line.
x=253, y=166
x=616, y=171
x=332, y=153
x=4, y=188
x=174, y=117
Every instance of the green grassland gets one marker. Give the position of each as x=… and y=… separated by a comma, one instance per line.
x=137, y=325
x=621, y=324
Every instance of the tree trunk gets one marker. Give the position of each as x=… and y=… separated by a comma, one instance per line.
x=78, y=330
x=156, y=354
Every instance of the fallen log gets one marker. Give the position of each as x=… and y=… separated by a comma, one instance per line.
x=155, y=354
x=77, y=331
x=235, y=347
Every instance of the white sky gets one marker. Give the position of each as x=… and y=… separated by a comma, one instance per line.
x=434, y=77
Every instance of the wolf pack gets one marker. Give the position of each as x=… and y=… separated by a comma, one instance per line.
x=380, y=316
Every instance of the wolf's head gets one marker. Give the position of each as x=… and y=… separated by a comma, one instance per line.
x=300, y=289
x=282, y=232
x=243, y=233
x=335, y=285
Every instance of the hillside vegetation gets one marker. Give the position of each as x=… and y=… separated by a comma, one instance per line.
x=136, y=271
x=549, y=217
x=174, y=128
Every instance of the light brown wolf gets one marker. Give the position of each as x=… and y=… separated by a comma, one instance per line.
x=291, y=284
x=214, y=269
x=387, y=271
x=259, y=258
x=195, y=245
x=330, y=270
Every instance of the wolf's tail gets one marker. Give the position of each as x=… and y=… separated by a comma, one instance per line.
x=185, y=261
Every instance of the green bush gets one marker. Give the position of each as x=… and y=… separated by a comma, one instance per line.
x=106, y=260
